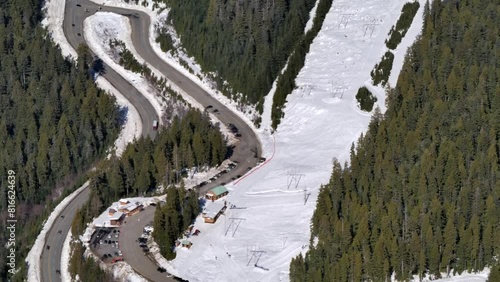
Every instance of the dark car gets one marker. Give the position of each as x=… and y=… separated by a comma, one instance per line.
x=145, y=249
x=161, y=269
x=78, y=5
x=209, y=107
x=216, y=111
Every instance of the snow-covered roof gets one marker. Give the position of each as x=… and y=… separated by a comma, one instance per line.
x=116, y=216
x=212, y=209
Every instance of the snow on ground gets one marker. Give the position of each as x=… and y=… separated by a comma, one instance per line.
x=33, y=258
x=132, y=126
x=102, y=27
x=54, y=14
x=312, y=14
x=158, y=17
x=399, y=54
x=481, y=276
x=53, y=21
x=65, y=256
x=275, y=202
x=407, y=41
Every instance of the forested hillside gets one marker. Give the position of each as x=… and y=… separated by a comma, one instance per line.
x=189, y=141
x=246, y=42
x=54, y=122
x=422, y=192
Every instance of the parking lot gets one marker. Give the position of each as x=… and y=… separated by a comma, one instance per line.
x=104, y=243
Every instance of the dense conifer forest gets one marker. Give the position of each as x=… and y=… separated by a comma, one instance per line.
x=421, y=194
x=286, y=81
x=54, y=122
x=174, y=217
x=190, y=141
x=246, y=42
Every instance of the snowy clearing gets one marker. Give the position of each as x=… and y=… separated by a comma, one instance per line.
x=274, y=204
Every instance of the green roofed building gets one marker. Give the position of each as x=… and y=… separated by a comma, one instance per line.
x=216, y=193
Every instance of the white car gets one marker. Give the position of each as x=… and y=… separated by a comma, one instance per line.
x=148, y=229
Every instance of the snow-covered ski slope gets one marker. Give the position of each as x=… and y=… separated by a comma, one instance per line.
x=321, y=122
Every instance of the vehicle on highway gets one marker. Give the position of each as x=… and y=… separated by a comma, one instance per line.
x=215, y=111
x=48, y=247
x=208, y=107
x=78, y=5
x=161, y=269
x=238, y=135
x=155, y=125
x=59, y=232
x=148, y=229
x=145, y=249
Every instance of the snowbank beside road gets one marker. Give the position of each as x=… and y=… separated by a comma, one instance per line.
x=33, y=258
x=53, y=22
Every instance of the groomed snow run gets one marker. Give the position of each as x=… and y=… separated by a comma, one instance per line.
x=270, y=225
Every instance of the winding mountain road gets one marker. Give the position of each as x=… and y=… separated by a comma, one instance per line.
x=245, y=153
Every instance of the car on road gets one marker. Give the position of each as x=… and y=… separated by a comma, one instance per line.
x=59, y=232
x=208, y=107
x=161, y=269
x=215, y=111
x=145, y=249
x=48, y=247
x=155, y=125
x=78, y=5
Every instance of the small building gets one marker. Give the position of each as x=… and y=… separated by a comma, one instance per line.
x=117, y=218
x=130, y=209
x=216, y=193
x=212, y=211
x=186, y=244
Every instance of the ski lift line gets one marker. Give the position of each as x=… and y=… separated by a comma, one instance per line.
x=263, y=164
